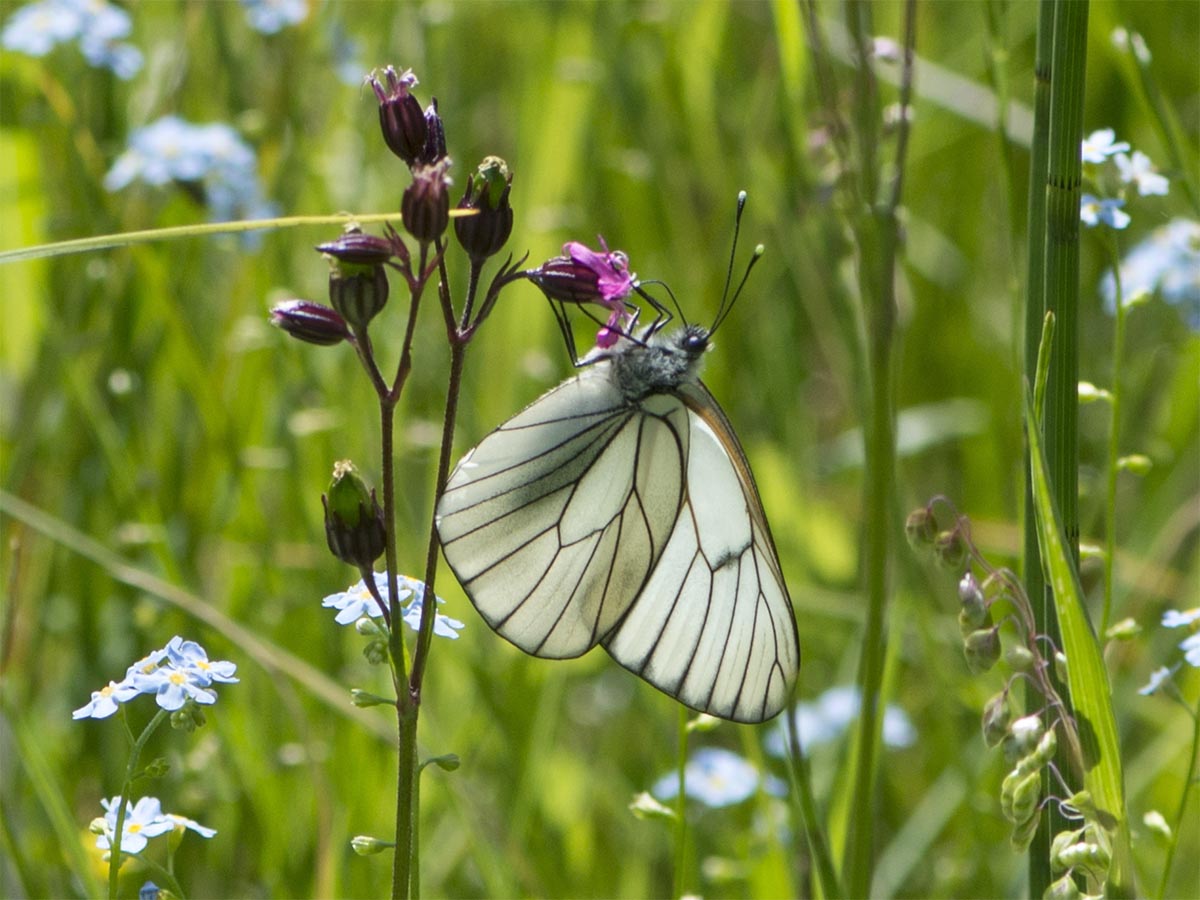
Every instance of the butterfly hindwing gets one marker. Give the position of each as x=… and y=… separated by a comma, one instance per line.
x=713, y=626
x=554, y=521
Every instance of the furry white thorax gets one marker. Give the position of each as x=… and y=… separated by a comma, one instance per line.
x=662, y=363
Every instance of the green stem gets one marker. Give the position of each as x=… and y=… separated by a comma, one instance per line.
x=1188, y=781
x=1062, y=186
x=1114, y=443
x=878, y=235
x=123, y=803
x=801, y=778
x=403, y=862
x=681, y=807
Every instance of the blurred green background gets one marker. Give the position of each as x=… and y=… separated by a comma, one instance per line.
x=149, y=408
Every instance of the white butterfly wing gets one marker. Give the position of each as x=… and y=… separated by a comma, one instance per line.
x=554, y=521
x=714, y=625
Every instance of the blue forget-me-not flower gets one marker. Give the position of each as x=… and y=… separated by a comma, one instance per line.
x=179, y=671
x=356, y=601
x=272, y=16
x=97, y=26
x=214, y=156
x=715, y=777
x=1167, y=261
x=831, y=716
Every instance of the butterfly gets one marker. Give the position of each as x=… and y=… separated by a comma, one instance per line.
x=619, y=509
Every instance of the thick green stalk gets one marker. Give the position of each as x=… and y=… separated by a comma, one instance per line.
x=1065, y=21
x=1035, y=311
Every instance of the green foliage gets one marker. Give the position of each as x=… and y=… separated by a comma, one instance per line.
x=163, y=450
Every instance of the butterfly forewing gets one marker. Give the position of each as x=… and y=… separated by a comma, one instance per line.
x=555, y=521
x=714, y=625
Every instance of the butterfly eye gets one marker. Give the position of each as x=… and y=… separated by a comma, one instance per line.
x=695, y=342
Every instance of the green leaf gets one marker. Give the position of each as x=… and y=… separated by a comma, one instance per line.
x=1087, y=678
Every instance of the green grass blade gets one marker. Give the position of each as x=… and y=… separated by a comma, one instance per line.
x=1087, y=678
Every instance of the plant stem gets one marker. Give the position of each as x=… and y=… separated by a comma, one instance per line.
x=877, y=230
x=1061, y=185
x=1188, y=781
x=403, y=862
x=123, y=803
x=801, y=779
x=681, y=807
x=1114, y=442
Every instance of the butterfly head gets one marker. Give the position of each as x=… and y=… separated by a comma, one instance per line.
x=660, y=364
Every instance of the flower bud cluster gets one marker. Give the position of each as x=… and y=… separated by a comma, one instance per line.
x=1029, y=745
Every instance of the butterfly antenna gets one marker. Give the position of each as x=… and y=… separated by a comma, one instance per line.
x=727, y=300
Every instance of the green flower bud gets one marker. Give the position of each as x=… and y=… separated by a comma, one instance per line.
x=365, y=845
x=644, y=806
x=98, y=825
x=1064, y=888
x=363, y=699
x=368, y=627
x=1061, y=842
x=1089, y=393
x=1157, y=825
x=1023, y=833
x=920, y=528
x=376, y=652
x=1019, y=657
x=1025, y=792
x=950, y=550
x=354, y=527
x=997, y=715
x=1135, y=463
x=982, y=649
x=448, y=762
x=1060, y=666
x=158, y=768
x=1125, y=630
x=1027, y=731
x=1085, y=854
x=973, y=614
x=1046, y=746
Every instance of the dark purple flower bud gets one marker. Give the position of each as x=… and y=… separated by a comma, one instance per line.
x=310, y=322
x=354, y=527
x=425, y=205
x=435, y=135
x=483, y=234
x=358, y=292
x=400, y=115
x=583, y=275
x=359, y=249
